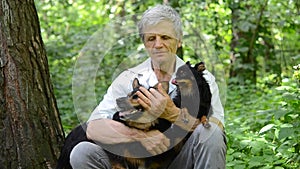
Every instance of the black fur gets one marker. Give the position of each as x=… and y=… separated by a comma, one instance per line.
x=197, y=103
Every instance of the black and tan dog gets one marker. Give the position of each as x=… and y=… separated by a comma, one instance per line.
x=193, y=93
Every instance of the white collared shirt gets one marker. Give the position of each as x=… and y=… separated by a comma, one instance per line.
x=122, y=85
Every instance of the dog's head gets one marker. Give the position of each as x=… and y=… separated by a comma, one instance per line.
x=130, y=110
x=186, y=79
x=129, y=103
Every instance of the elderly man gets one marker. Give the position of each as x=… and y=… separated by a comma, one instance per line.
x=161, y=32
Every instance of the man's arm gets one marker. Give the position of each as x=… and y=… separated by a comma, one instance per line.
x=182, y=118
x=108, y=131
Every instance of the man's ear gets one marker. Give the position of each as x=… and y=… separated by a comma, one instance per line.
x=135, y=83
x=179, y=44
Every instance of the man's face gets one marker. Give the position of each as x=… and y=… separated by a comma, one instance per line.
x=161, y=42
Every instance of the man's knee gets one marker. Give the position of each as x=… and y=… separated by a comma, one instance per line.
x=86, y=154
x=210, y=147
x=79, y=153
x=212, y=135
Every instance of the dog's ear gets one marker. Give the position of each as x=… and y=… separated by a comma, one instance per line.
x=135, y=83
x=200, y=66
x=188, y=63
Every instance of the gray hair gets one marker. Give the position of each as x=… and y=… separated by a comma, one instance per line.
x=160, y=13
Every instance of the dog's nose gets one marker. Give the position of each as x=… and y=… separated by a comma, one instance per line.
x=174, y=82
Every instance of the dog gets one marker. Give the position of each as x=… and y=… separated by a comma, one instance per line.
x=76, y=136
x=188, y=80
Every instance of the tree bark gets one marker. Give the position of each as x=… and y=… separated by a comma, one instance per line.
x=31, y=131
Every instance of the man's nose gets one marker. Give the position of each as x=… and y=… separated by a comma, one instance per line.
x=158, y=42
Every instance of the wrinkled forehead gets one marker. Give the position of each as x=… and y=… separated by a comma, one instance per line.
x=161, y=28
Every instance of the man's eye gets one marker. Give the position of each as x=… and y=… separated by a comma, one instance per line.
x=151, y=38
x=165, y=37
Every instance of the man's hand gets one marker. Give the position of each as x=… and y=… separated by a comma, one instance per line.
x=152, y=100
x=158, y=103
x=155, y=142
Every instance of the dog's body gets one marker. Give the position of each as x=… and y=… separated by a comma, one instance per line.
x=188, y=80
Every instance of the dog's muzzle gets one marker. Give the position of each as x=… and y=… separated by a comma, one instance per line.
x=136, y=113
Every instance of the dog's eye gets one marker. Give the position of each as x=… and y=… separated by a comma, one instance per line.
x=135, y=96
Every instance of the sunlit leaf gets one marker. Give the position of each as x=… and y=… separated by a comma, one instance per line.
x=266, y=128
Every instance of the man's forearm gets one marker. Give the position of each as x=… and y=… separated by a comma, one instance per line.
x=186, y=121
x=108, y=131
x=183, y=119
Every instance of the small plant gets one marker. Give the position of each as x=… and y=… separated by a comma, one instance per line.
x=296, y=74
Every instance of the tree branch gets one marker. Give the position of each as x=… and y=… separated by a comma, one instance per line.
x=252, y=41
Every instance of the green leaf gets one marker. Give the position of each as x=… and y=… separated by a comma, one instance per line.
x=280, y=113
x=285, y=132
x=238, y=155
x=244, y=143
x=235, y=163
x=278, y=167
x=256, y=161
x=266, y=128
x=243, y=49
x=241, y=166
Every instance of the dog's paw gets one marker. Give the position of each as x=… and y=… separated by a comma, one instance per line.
x=205, y=122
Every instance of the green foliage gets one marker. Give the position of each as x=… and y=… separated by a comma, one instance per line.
x=262, y=39
x=263, y=126
x=66, y=27
x=296, y=74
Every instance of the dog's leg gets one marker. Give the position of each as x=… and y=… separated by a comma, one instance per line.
x=205, y=122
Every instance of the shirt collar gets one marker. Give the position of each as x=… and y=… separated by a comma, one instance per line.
x=147, y=77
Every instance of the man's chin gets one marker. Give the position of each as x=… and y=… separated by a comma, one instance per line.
x=162, y=56
x=161, y=59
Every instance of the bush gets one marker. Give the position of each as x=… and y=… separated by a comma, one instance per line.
x=263, y=126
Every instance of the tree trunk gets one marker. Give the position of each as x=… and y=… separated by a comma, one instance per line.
x=241, y=67
x=31, y=131
x=245, y=33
